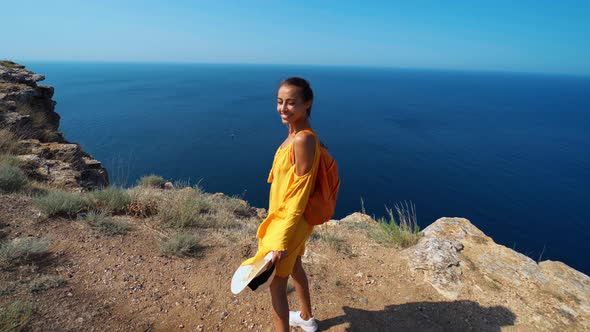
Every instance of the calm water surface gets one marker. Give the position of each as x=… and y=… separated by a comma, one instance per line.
x=507, y=151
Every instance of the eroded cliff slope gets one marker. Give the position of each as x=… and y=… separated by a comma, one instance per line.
x=29, y=130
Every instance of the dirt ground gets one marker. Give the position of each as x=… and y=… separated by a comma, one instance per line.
x=124, y=283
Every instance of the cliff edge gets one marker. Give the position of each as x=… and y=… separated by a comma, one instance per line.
x=29, y=129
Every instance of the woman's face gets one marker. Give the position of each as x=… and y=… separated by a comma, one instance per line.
x=290, y=104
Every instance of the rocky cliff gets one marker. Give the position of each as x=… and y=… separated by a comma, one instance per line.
x=29, y=129
x=460, y=261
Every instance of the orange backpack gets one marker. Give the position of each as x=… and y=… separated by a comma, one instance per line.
x=322, y=201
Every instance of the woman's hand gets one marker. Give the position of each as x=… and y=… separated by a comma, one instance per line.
x=277, y=256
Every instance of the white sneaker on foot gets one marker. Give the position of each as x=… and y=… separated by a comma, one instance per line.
x=309, y=325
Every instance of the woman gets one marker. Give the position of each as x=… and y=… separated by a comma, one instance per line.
x=285, y=230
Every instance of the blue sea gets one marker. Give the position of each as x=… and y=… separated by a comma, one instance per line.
x=508, y=151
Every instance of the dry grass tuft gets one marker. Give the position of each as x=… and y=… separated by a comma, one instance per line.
x=404, y=233
x=10, y=160
x=12, y=178
x=235, y=205
x=151, y=181
x=332, y=240
x=144, y=201
x=16, y=316
x=62, y=203
x=181, y=244
x=22, y=250
x=46, y=282
x=8, y=142
x=111, y=199
x=185, y=208
x=100, y=221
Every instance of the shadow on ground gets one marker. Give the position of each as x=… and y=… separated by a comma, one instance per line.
x=423, y=316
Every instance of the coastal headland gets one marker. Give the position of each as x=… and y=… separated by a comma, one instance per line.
x=77, y=254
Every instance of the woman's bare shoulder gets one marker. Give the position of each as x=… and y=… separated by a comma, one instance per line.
x=304, y=149
x=305, y=140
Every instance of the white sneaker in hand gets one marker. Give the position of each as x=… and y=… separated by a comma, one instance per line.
x=309, y=325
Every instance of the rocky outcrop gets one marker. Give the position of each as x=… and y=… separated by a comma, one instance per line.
x=460, y=262
x=354, y=218
x=28, y=118
x=358, y=217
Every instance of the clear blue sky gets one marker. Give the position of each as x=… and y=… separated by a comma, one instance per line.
x=536, y=36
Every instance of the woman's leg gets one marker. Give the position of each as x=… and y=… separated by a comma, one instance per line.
x=280, y=306
x=302, y=289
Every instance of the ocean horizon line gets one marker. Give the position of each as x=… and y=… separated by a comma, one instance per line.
x=330, y=66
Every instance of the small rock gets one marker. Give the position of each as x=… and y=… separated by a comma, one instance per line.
x=180, y=326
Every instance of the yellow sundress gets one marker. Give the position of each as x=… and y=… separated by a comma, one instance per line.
x=285, y=227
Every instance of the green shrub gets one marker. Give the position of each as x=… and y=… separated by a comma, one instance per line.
x=152, y=181
x=187, y=207
x=16, y=316
x=105, y=224
x=46, y=282
x=12, y=179
x=61, y=203
x=404, y=233
x=181, y=244
x=111, y=199
x=24, y=249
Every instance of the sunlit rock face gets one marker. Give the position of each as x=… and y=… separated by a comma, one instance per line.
x=27, y=116
x=460, y=261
